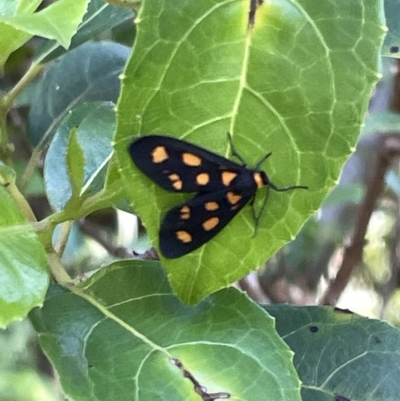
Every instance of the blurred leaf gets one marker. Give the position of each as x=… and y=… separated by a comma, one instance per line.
x=391, y=45
x=26, y=385
x=24, y=6
x=351, y=193
x=13, y=342
x=95, y=124
x=338, y=353
x=18, y=6
x=78, y=332
x=85, y=74
x=50, y=22
x=283, y=87
x=15, y=39
x=383, y=122
x=11, y=38
x=297, y=253
x=23, y=264
x=100, y=17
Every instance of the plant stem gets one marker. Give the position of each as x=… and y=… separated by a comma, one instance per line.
x=57, y=269
x=65, y=229
x=29, y=76
x=21, y=201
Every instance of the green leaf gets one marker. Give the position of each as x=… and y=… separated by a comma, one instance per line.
x=15, y=39
x=100, y=17
x=23, y=264
x=297, y=84
x=86, y=74
x=50, y=22
x=226, y=342
x=114, y=186
x=95, y=124
x=338, y=353
x=75, y=168
x=11, y=38
x=13, y=7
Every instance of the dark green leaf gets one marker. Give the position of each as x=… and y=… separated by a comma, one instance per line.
x=85, y=74
x=118, y=342
x=95, y=124
x=340, y=353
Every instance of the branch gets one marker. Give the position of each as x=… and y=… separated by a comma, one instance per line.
x=388, y=149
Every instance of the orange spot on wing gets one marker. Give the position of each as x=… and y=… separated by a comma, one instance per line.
x=203, y=179
x=190, y=159
x=159, y=154
x=233, y=198
x=176, y=181
x=185, y=213
x=210, y=223
x=211, y=206
x=227, y=177
x=183, y=236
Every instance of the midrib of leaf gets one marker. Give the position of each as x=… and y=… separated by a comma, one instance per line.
x=175, y=51
x=119, y=321
x=242, y=85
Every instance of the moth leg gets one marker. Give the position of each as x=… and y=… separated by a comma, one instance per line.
x=234, y=152
x=262, y=160
x=275, y=188
x=256, y=217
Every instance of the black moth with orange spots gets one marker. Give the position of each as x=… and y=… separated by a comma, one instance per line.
x=221, y=186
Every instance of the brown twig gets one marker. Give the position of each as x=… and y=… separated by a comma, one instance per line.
x=388, y=287
x=388, y=148
x=198, y=388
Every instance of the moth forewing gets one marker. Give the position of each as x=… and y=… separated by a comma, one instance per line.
x=221, y=189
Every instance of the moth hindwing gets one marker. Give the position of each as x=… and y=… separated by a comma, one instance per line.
x=221, y=187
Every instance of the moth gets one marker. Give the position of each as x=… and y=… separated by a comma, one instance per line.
x=221, y=188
